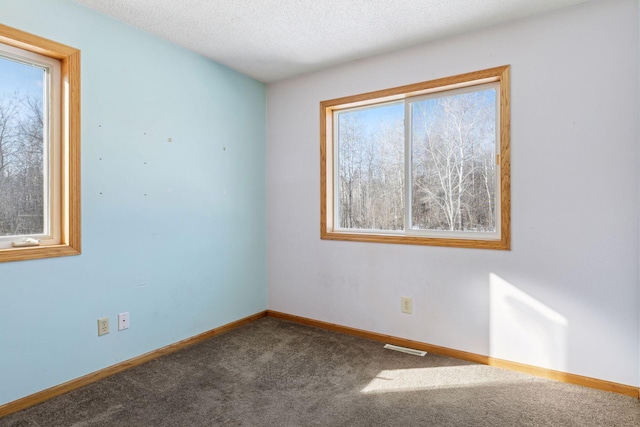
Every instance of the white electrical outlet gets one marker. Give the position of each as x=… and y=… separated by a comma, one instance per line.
x=406, y=305
x=123, y=321
x=103, y=326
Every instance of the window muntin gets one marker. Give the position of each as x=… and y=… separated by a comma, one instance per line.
x=29, y=147
x=450, y=143
x=61, y=159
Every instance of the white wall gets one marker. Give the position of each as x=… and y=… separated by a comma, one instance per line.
x=566, y=296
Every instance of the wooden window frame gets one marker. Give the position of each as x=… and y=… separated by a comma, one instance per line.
x=327, y=108
x=69, y=160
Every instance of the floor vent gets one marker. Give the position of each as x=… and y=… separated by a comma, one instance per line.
x=405, y=350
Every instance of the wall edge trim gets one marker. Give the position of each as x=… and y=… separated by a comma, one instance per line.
x=565, y=377
x=57, y=390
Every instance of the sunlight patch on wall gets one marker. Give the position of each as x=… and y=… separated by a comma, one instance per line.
x=524, y=329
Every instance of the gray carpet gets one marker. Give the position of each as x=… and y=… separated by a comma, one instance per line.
x=277, y=373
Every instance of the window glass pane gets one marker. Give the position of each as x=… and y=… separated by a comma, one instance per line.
x=22, y=150
x=370, y=173
x=454, y=162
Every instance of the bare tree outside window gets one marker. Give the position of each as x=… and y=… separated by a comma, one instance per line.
x=453, y=151
x=371, y=168
x=22, y=151
x=453, y=168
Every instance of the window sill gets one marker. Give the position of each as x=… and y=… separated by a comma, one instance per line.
x=37, y=252
x=503, y=244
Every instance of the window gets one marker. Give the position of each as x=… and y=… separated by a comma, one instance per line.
x=424, y=164
x=39, y=147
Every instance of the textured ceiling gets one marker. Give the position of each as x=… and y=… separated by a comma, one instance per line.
x=275, y=39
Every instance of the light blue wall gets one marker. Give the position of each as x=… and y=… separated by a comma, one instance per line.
x=173, y=232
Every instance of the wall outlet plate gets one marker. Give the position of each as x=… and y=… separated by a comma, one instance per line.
x=123, y=321
x=406, y=305
x=103, y=326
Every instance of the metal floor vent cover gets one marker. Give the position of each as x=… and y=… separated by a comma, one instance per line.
x=405, y=350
